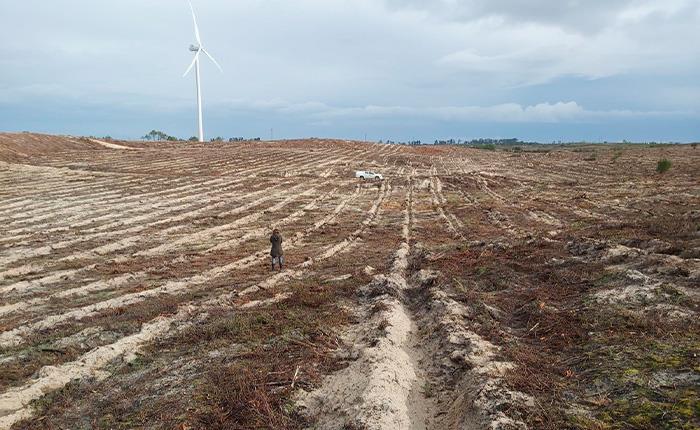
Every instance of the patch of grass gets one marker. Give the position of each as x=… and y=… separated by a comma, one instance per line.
x=59, y=399
x=428, y=390
x=663, y=165
x=566, y=346
x=579, y=225
x=263, y=355
x=481, y=271
x=255, y=392
x=139, y=363
x=640, y=412
x=607, y=278
x=39, y=350
x=643, y=360
x=240, y=397
x=580, y=422
x=32, y=359
x=239, y=327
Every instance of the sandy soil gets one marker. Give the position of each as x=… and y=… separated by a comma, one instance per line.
x=543, y=287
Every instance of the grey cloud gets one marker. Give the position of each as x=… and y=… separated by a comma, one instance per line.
x=582, y=15
x=503, y=113
x=323, y=62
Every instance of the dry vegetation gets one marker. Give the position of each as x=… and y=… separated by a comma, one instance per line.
x=547, y=288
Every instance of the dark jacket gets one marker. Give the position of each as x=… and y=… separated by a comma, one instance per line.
x=276, y=241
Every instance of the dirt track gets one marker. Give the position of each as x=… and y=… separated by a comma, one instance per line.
x=470, y=289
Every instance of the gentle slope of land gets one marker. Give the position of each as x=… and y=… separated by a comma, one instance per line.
x=471, y=289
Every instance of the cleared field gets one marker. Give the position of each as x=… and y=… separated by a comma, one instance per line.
x=471, y=289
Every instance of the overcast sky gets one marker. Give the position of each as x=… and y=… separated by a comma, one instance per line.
x=392, y=69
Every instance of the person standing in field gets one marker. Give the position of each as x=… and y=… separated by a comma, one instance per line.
x=276, y=252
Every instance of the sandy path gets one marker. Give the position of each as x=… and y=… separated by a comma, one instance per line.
x=113, y=145
x=383, y=388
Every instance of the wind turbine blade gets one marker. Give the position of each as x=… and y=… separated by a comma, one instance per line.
x=196, y=56
x=213, y=60
x=196, y=27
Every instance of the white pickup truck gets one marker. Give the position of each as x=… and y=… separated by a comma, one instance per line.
x=368, y=175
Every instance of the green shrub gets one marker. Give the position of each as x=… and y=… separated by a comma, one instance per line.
x=663, y=165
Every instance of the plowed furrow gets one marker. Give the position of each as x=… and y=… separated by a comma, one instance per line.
x=16, y=336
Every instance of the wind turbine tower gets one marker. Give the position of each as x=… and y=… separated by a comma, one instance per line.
x=198, y=49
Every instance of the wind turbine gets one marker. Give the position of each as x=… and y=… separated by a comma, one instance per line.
x=198, y=49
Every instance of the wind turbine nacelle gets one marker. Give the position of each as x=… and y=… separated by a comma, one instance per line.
x=194, y=48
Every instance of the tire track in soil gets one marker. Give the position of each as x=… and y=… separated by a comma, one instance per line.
x=201, y=235
x=39, y=198
x=439, y=201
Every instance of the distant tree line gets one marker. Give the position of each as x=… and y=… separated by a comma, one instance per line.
x=481, y=142
x=489, y=143
x=242, y=139
x=234, y=139
x=157, y=135
x=410, y=142
x=475, y=142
